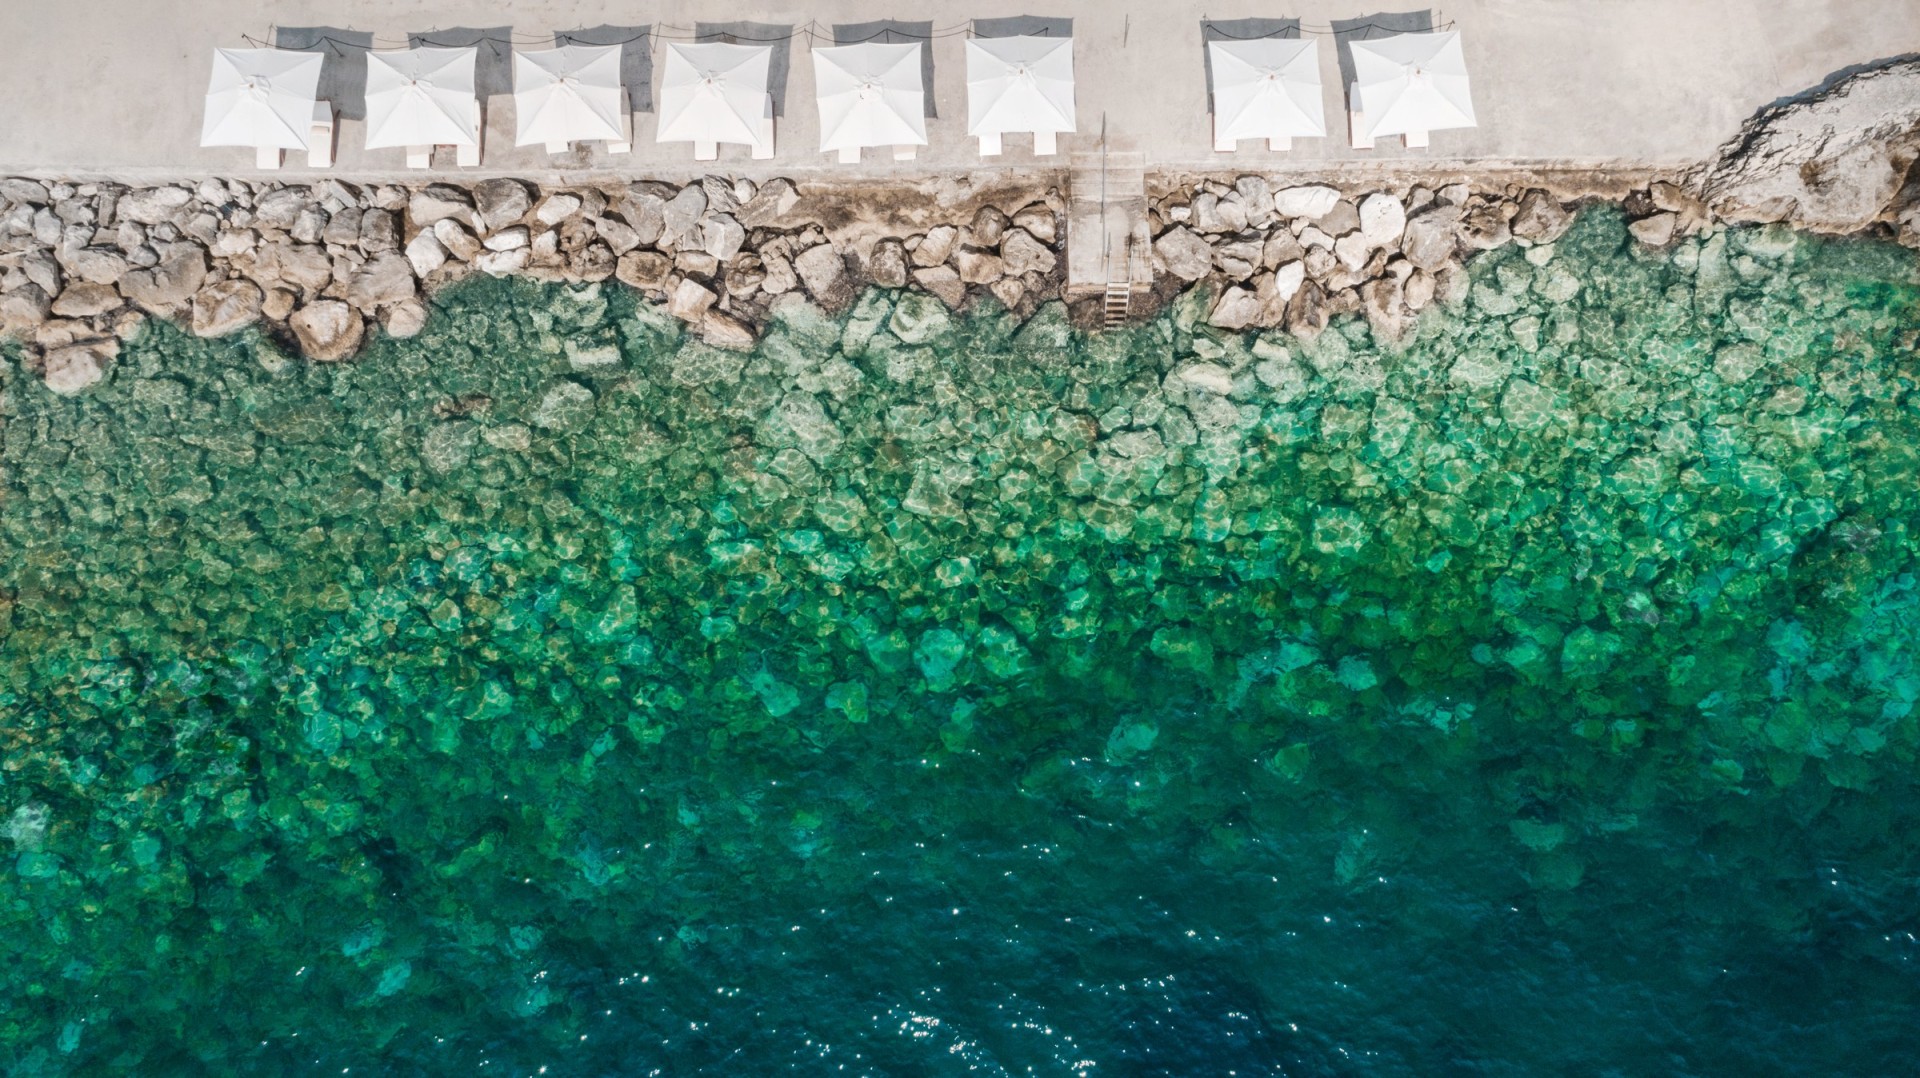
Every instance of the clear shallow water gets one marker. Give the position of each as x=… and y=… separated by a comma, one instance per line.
x=1534, y=698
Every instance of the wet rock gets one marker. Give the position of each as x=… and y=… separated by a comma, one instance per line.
x=978, y=267
x=592, y=357
x=944, y=282
x=1237, y=308
x=1656, y=230
x=1484, y=228
x=1418, y=290
x=1010, y=291
x=918, y=318
x=1381, y=300
x=85, y=299
x=690, y=300
x=824, y=273
x=723, y=330
x=564, y=406
x=168, y=286
x=501, y=202
x=1307, y=312
x=438, y=202
x=385, y=278
x=76, y=368
x=1184, y=254
x=1309, y=201
x=1540, y=218
x=1021, y=253
x=225, y=307
x=404, y=319
x=937, y=246
x=328, y=329
x=887, y=266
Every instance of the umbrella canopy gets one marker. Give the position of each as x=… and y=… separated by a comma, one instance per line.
x=1019, y=84
x=714, y=93
x=421, y=97
x=1412, y=82
x=1266, y=88
x=870, y=95
x=261, y=97
x=568, y=94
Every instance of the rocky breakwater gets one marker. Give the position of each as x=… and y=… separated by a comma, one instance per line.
x=82, y=266
x=1302, y=255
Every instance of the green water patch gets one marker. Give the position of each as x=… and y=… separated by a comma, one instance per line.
x=923, y=694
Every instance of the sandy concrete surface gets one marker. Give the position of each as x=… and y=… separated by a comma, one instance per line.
x=115, y=87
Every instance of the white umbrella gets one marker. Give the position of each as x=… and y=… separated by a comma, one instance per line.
x=568, y=94
x=1266, y=88
x=261, y=98
x=870, y=95
x=715, y=93
x=1412, y=83
x=1019, y=84
x=422, y=97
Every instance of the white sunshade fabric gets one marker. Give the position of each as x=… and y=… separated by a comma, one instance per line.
x=421, y=97
x=1266, y=88
x=1412, y=82
x=568, y=94
x=261, y=97
x=870, y=95
x=1019, y=84
x=714, y=93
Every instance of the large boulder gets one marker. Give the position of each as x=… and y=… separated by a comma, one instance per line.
x=501, y=202
x=24, y=309
x=78, y=367
x=1313, y=200
x=1430, y=238
x=225, y=307
x=1022, y=252
x=328, y=329
x=385, y=279
x=152, y=205
x=167, y=287
x=1832, y=161
x=437, y=202
x=1184, y=254
x=824, y=273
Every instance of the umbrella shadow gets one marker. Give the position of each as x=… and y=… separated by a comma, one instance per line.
x=895, y=32
x=343, y=63
x=776, y=36
x=636, y=57
x=493, y=60
x=1238, y=30
x=1379, y=24
x=1023, y=26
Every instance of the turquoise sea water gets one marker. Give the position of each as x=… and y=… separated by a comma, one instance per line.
x=1535, y=697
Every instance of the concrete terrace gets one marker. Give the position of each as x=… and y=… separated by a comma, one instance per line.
x=113, y=88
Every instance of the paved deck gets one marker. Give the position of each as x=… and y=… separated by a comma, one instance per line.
x=113, y=87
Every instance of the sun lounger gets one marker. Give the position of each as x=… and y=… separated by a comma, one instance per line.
x=1280, y=144
x=469, y=156
x=419, y=157
x=625, y=145
x=1046, y=143
x=320, y=136
x=1416, y=140
x=266, y=157
x=763, y=149
x=706, y=151
x=905, y=153
x=990, y=145
x=850, y=155
x=1357, y=119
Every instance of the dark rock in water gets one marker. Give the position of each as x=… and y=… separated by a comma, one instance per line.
x=1540, y=219
x=887, y=267
x=1307, y=312
x=79, y=367
x=824, y=273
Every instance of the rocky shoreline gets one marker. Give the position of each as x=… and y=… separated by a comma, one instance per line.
x=82, y=266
